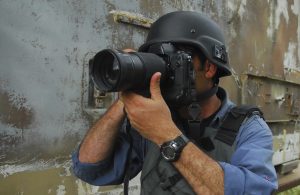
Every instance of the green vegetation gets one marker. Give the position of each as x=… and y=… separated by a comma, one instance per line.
x=292, y=191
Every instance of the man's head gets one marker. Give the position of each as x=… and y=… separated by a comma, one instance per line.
x=206, y=72
x=196, y=31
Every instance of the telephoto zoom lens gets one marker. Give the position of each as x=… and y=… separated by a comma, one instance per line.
x=114, y=70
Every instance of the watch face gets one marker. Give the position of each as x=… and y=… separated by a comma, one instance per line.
x=169, y=152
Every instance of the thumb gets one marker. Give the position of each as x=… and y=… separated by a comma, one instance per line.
x=155, y=86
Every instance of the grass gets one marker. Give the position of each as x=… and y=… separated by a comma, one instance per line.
x=292, y=191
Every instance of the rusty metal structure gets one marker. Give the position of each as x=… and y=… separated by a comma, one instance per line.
x=47, y=101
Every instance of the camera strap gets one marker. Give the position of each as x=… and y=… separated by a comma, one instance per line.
x=194, y=108
x=128, y=159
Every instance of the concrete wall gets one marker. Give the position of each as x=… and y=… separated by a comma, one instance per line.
x=45, y=46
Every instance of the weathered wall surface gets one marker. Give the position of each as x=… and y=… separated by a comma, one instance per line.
x=44, y=51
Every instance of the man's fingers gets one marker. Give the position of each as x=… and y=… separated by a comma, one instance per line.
x=127, y=50
x=126, y=96
x=155, y=86
x=131, y=98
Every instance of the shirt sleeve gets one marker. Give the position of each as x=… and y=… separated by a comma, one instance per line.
x=251, y=170
x=111, y=170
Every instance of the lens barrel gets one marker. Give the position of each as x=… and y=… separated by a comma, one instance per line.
x=114, y=70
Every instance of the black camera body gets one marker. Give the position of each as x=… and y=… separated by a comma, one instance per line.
x=114, y=70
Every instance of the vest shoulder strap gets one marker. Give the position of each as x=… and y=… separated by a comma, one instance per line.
x=233, y=120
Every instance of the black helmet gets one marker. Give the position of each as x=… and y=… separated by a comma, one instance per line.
x=191, y=28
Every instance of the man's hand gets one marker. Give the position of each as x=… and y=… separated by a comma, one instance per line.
x=150, y=116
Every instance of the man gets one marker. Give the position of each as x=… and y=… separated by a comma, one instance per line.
x=177, y=152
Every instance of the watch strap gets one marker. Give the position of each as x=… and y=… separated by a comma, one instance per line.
x=177, y=146
x=184, y=138
x=181, y=141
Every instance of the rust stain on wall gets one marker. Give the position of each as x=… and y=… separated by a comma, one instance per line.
x=14, y=112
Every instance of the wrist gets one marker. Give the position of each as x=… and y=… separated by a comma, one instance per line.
x=171, y=150
x=115, y=112
x=169, y=134
x=119, y=103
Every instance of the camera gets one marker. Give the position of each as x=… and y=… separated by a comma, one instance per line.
x=114, y=70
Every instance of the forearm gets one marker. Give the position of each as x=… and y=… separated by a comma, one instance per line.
x=98, y=143
x=203, y=173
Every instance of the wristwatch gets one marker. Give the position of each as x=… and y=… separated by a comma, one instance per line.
x=171, y=150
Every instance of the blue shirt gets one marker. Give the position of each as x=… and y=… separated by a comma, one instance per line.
x=250, y=171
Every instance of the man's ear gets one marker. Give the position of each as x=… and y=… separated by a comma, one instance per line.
x=210, y=70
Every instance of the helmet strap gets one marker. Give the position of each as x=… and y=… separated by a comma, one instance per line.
x=216, y=80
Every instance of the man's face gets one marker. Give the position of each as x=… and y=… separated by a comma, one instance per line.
x=202, y=83
x=203, y=79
